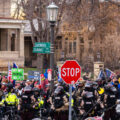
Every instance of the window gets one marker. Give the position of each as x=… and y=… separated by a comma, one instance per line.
x=82, y=48
x=81, y=40
x=90, y=47
x=66, y=38
x=74, y=47
x=60, y=44
x=75, y=38
x=70, y=47
x=56, y=45
x=13, y=42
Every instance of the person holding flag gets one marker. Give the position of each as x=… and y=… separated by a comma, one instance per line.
x=10, y=73
x=116, y=84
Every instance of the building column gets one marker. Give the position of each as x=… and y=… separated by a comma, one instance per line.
x=22, y=41
x=9, y=40
x=78, y=49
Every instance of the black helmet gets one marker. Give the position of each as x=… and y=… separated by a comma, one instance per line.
x=107, y=87
x=28, y=89
x=113, y=89
x=88, y=95
x=58, y=90
x=22, y=84
x=95, y=85
x=88, y=86
x=36, y=90
x=10, y=85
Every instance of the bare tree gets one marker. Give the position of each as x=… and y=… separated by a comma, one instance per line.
x=36, y=9
x=101, y=20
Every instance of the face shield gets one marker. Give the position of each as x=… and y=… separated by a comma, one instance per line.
x=58, y=90
x=113, y=89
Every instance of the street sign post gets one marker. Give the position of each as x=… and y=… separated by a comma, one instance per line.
x=70, y=73
x=49, y=74
x=42, y=47
x=17, y=74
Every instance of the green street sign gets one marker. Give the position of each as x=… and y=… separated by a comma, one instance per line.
x=41, y=50
x=42, y=44
x=42, y=47
x=17, y=74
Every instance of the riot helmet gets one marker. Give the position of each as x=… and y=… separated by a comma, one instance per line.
x=113, y=89
x=9, y=87
x=88, y=86
x=27, y=90
x=36, y=91
x=88, y=95
x=58, y=90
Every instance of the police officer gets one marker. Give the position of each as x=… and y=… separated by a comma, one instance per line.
x=110, y=100
x=60, y=104
x=87, y=106
x=26, y=106
x=89, y=88
x=37, y=101
x=11, y=98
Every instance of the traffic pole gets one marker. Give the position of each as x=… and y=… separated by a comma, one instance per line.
x=70, y=99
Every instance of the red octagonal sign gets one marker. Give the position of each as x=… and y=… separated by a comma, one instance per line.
x=70, y=71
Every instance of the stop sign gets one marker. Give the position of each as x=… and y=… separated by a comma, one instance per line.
x=70, y=71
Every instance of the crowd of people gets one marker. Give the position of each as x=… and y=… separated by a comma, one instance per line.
x=27, y=100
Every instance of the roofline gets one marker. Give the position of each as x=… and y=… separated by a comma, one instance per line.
x=12, y=21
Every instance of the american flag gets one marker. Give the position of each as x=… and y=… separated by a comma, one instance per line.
x=10, y=75
x=110, y=74
x=101, y=74
x=9, y=72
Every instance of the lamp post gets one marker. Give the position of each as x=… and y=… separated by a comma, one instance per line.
x=52, y=12
x=98, y=56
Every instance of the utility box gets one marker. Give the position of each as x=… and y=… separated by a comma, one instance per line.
x=97, y=67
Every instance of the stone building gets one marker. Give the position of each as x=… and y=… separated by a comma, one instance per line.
x=11, y=37
x=73, y=45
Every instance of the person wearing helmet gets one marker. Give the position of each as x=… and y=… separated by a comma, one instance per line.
x=38, y=101
x=25, y=100
x=10, y=98
x=116, y=84
x=26, y=103
x=100, y=89
x=110, y=100
x=89, y=88
x=87, y=106
x=59, y=104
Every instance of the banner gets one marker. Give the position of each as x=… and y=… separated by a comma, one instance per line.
x=34, y=75
x=17, y=74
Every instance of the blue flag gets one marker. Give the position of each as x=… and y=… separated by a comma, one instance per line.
x=14, y=65
x=101, y=74
x=59, y=76
x=46, y=74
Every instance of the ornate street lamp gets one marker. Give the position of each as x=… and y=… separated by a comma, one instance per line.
x=52, y=12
